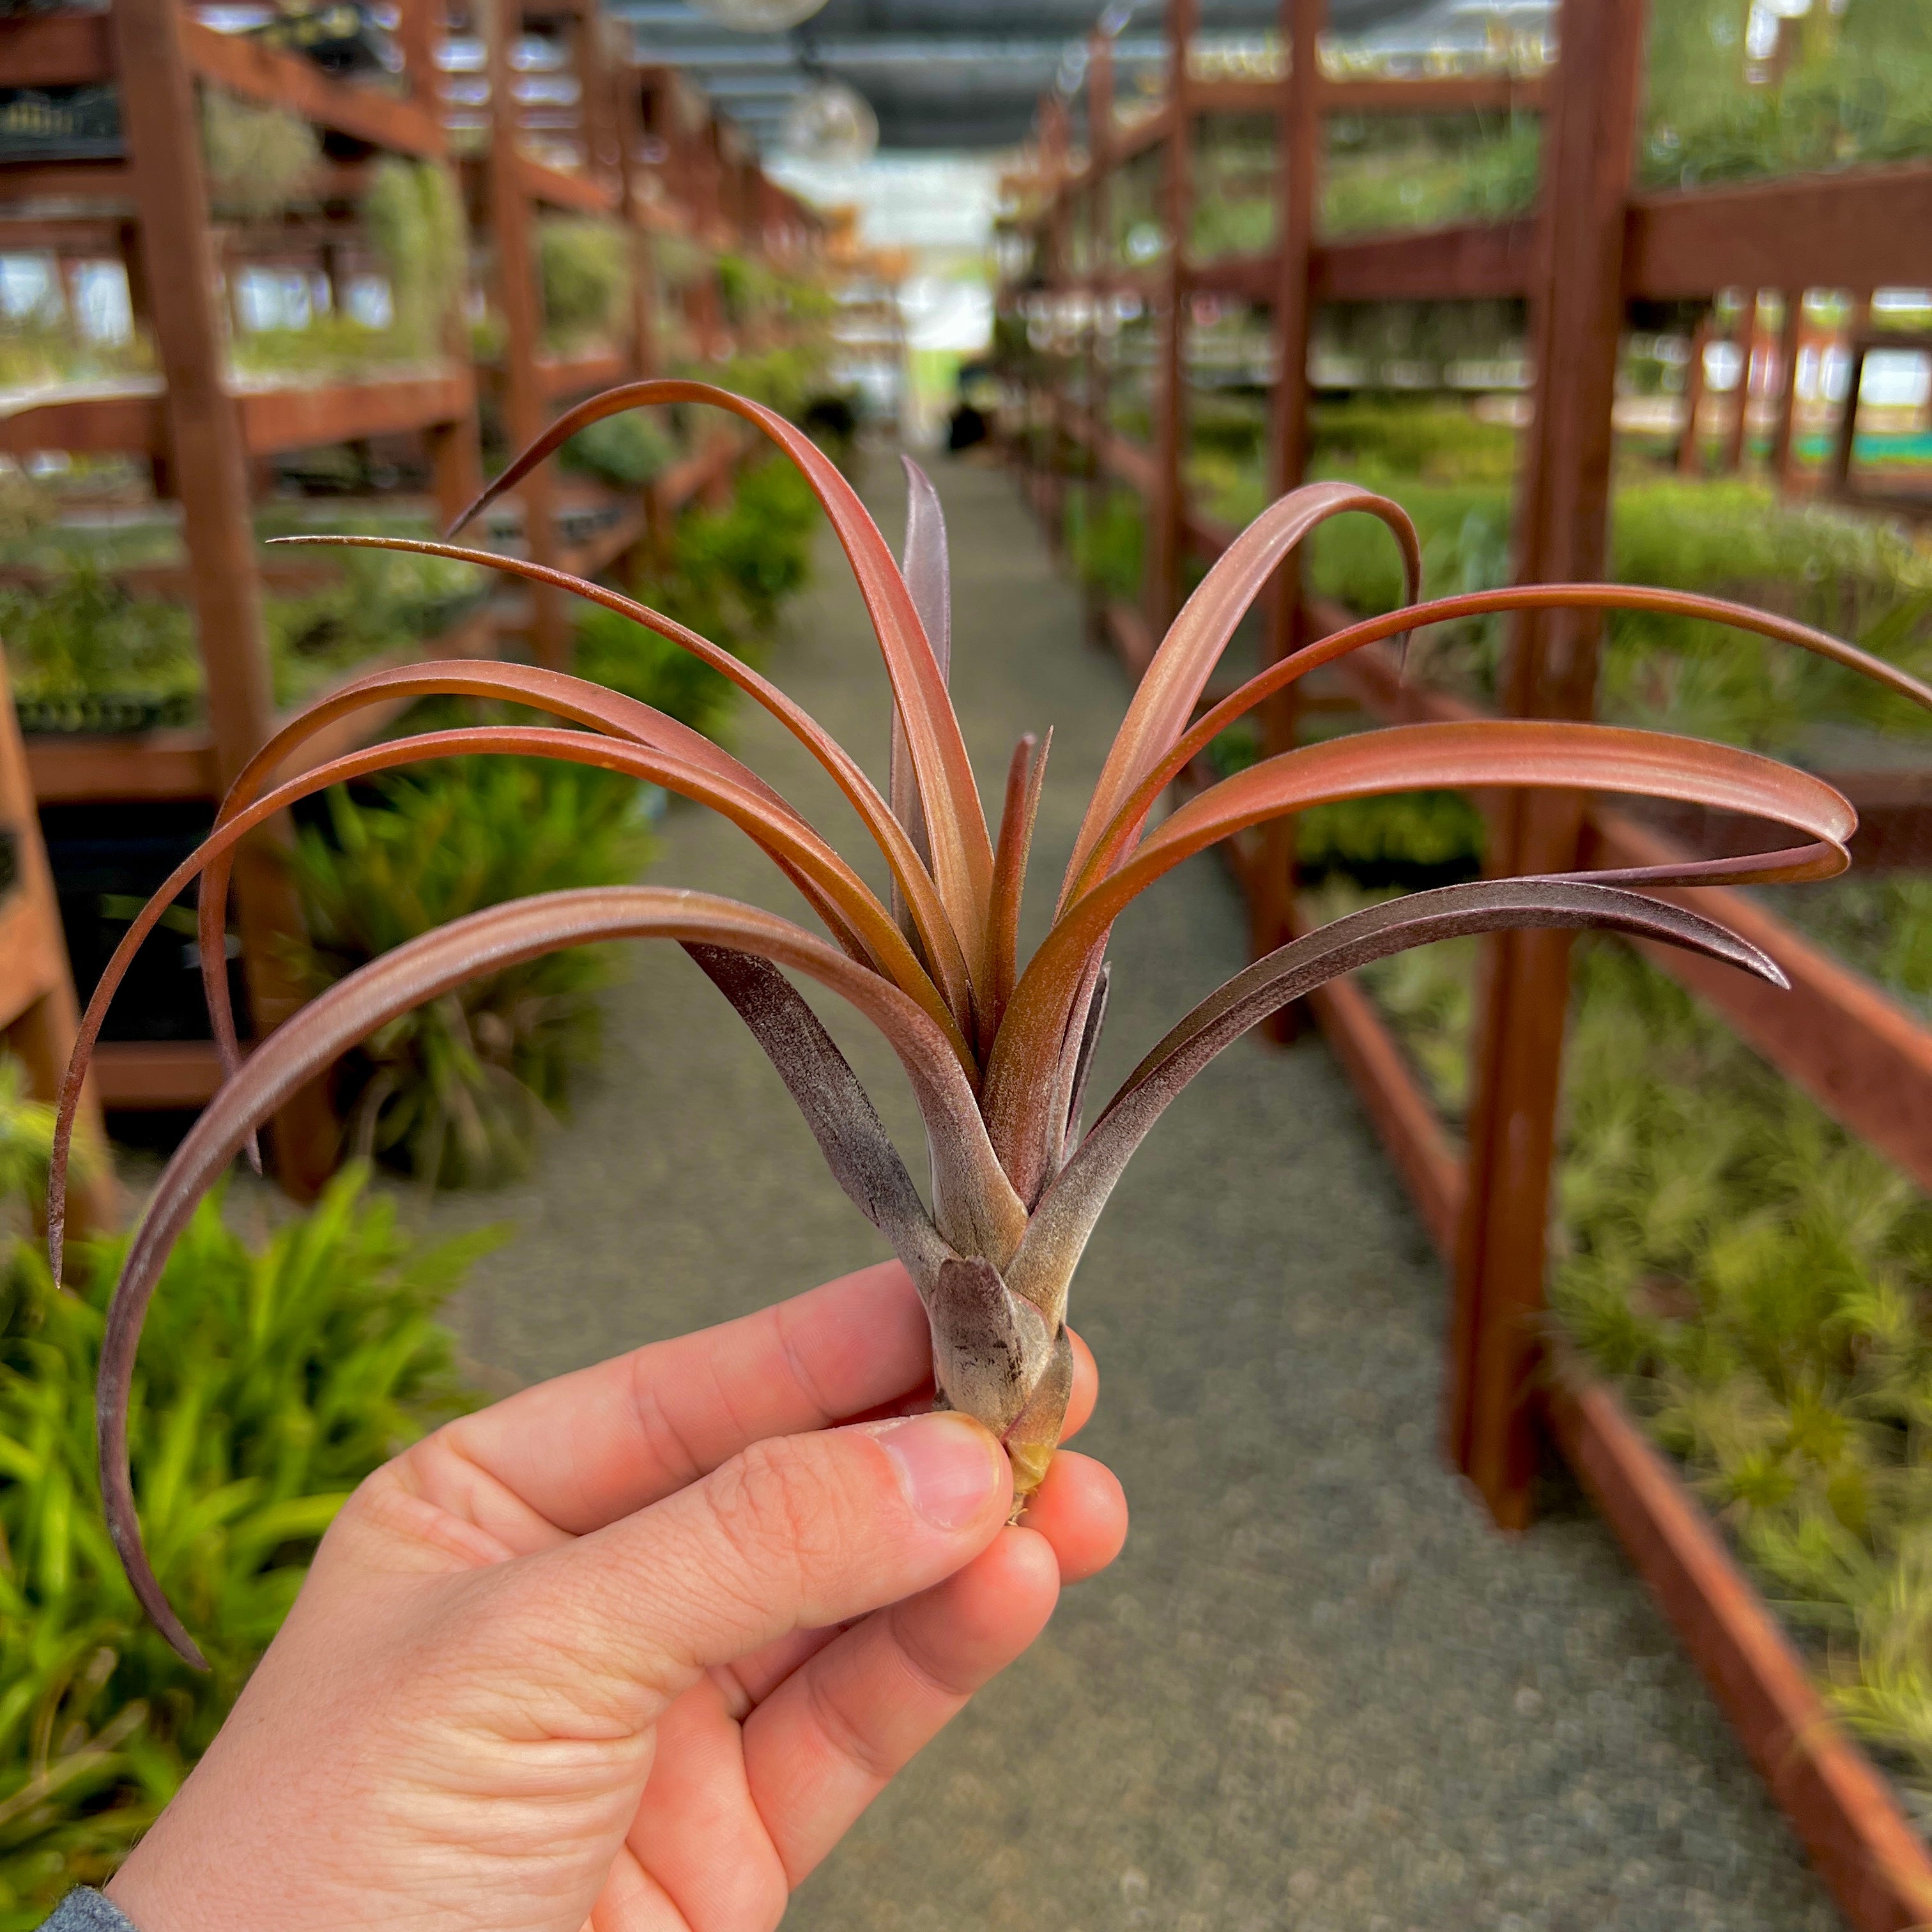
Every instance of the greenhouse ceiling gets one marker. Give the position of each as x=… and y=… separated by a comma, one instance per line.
x=958, y=75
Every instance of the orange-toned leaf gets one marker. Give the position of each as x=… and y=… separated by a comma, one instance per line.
x=962, y=850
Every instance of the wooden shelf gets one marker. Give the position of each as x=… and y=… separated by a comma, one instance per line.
x=77, y=49
x=183, y=764
x=150, y=1076
x=564, y=378
x=292, y=417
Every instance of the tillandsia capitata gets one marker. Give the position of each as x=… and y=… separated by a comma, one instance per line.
x=997, y=1054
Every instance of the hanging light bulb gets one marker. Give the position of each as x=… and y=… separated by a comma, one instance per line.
x=830, y=122
x=758, y=16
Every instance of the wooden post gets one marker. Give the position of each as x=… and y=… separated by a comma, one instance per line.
x=1272, y=902
x=512, y=216
x=418, y=28
x=1783, y=468
x=39, y=1015
x=208, y=460
x=630, y=180
x=1100, y=294
x=1689, y=459
x=1167, y=513
x=1737, y=440
x=1562, y=524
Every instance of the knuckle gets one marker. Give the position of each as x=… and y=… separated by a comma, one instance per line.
x=775, y=1511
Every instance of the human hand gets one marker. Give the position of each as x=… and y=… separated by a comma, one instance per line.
x=631, y=1650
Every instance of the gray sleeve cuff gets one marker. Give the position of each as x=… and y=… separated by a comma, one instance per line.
x=85, y=1910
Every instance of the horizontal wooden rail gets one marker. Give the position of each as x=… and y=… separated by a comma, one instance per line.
x=1877, y=1865
x=561, y=377
x=291, y=417
x=573, y=194
x=156, y=1076
x=1866, y=228
x=277, y=80
x=76, y=49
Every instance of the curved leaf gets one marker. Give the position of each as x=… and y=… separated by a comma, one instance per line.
x=583, y=700
x=1067, y=1211
x=962, y=851
x=1164, y=700
x=1127, y=821
x=828, y=884
x=836, y=1107
x=422, y=970
x=1025, y=774
x=926, y=568
x=1403, y=757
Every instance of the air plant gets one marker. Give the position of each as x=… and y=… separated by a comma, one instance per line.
x=998, y=1055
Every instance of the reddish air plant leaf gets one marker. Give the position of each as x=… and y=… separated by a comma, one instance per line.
x=1165, y=698
x=418, y=971
x=1025, y=775
x=962, y=850
x=1065, y=1216
x=927, y=573
x=997, y=1058
x=909, y=872
x=1403, y=758
x=841, y=1117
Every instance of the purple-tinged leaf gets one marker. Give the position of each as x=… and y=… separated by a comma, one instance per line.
x=1067, y=1211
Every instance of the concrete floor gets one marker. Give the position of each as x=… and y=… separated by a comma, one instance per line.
x=1318, y=1691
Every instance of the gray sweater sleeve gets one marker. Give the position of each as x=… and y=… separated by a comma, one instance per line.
x=85, y=1910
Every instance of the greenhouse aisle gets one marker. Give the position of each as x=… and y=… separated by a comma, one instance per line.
x=1317, y=1691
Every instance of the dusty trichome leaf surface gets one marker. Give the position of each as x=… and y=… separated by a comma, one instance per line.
x=996, y=1050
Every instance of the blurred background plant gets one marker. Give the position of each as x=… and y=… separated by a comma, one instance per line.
x=456, y=1092
x=584, y=264
x=273, y=1377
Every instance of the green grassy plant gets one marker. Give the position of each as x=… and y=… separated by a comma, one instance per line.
x=415, y=216
x=584, y=262
x=1421, y=171
x=1106, y=550
x=454, y=1092
x=258, y=158
x=625, y=451
x=82, y=653
x=276, y=1377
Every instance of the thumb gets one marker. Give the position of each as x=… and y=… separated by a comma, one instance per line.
x=794, y=1533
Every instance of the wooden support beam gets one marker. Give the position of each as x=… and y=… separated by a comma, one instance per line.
x=209, y=458
x=510, y=195
x=1689, y=460
x=1864, y=228
x=1298, y=138
x=1790, y=334
x=272, y=79
x=1168, y=508
x=1099, y=343
x=1562, y=527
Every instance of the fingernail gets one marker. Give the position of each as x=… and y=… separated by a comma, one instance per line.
x=947, y=1465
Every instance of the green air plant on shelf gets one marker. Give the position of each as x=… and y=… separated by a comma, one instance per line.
x=258, y=158
x=456, y=1090
x=584, y=263
x=996, y=1052
x=414, y=217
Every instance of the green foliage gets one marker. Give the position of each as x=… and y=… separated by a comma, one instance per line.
x=611, y=650
x=85, y=655
x=626, y=452
x=1106, y=550
x=1859, y=91
x=82, y=654
x=584, y=262
x=1436, y=442
x=1421, y=171
x=455, y=1091
x=271, y=1382
x=784, y=378
x=1861, y=577
x=414, y=217
x=258, y=157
